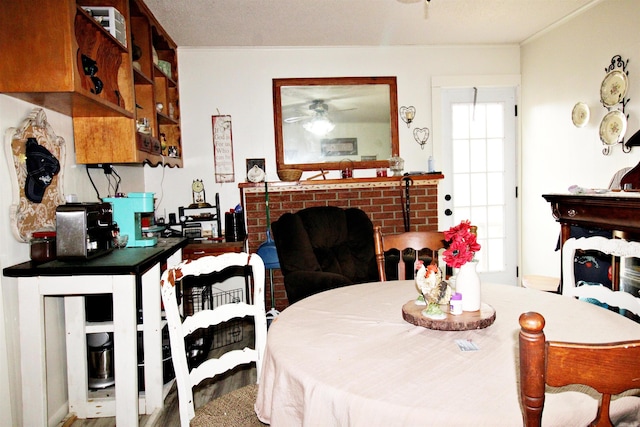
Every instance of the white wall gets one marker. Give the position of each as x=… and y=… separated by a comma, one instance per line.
x=562, y=67
x=238, y=82
x=12, y=113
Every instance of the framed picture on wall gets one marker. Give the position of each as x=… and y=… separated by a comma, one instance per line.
x=222, y=148
x=256, y=171
x=339, y=147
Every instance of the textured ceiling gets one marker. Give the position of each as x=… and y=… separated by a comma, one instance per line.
x=358, y=22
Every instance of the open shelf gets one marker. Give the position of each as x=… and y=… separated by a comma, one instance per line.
x=104, y=82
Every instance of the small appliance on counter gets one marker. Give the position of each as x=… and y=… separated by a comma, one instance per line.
x=83, y=230
x=129, y=213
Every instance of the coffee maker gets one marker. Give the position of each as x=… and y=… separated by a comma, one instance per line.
x=130, y=212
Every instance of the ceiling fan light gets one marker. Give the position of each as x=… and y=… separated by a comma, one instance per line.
x=319, y=126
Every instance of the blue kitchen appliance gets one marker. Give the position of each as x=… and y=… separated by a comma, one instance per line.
x=128, y=213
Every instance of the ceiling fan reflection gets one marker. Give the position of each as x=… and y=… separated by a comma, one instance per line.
x=317, y=110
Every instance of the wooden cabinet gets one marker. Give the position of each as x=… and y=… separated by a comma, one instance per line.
x=616, y=212
x=198, y=249
x=67, y=61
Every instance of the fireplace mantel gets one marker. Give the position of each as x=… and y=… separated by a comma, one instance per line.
x=318, y=184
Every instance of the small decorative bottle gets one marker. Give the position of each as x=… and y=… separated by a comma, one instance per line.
x=455, y=305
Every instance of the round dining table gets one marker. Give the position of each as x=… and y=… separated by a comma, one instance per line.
x=346, y=357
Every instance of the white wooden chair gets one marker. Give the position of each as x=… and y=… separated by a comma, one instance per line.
x=614, y=247
x=179, y=329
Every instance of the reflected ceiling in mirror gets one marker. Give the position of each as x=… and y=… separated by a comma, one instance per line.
x=320, y=122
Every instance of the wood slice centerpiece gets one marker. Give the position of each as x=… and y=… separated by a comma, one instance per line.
x=480, y=319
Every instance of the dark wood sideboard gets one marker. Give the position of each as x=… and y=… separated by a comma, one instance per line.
x=618, y=212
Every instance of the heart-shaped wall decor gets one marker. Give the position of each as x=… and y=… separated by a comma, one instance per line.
x=407, y=114
x=421, y=135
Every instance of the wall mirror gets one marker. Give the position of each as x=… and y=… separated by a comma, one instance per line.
x=321, y=122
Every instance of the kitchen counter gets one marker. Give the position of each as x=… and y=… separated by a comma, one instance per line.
x=118, y=261
x=132, y=277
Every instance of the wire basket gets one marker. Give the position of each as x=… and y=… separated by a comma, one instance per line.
x=231, y=331
x=201, y=342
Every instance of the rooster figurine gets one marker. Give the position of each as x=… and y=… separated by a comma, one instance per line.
x=432, y=288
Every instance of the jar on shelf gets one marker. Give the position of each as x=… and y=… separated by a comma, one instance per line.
x=43, y=246
x=396, y=164
x=346, y=168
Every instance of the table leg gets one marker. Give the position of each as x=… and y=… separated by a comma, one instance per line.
x=32, y=348
x=77, y=370
x=125, y=359
x=152, y=339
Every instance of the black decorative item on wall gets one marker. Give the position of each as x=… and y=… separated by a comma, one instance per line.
x=36, y=157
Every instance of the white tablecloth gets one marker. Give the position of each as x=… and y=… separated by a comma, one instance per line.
x=346, y=357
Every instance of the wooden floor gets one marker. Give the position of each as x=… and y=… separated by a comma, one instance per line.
x=204, y=392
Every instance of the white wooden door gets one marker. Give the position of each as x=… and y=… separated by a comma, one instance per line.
x=479, y=165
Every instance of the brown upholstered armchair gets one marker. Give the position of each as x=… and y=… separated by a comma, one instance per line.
x=324, y=247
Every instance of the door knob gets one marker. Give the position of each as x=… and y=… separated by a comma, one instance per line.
x=448, y=212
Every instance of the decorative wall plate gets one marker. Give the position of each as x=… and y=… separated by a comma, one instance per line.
x=614, y=88
x=580, y=114
x=613, y=127
x=256, y=174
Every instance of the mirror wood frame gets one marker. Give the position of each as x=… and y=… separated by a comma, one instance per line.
x=334, y=81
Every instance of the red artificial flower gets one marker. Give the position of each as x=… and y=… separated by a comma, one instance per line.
x=462, y=245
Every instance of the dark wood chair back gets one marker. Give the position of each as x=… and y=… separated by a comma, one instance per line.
x=431, y=241
x=608, y=368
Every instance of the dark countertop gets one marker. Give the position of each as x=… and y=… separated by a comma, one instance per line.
x=117, y=262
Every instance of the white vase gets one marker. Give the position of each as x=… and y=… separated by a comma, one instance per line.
x=468, y=284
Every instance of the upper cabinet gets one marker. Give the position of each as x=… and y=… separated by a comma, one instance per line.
x=106, y=63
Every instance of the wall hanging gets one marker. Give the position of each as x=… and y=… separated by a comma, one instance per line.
x=222, y=148
x=613, y=94
x=580, y=114
x=407, y=114
x=256, y=171
x=421, y=135
x=36, y=158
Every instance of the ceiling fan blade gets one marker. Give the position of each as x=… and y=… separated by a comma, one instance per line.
x=295, y=119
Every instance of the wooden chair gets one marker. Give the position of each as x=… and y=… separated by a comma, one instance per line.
x=614, y=247
x=178, y=329
x=432, y=241
x=610, y=369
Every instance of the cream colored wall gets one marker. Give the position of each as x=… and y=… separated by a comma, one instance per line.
x=238, y=82
x=560, y=68
x=12, y=113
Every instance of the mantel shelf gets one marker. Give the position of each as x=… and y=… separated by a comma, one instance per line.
x=418, y=180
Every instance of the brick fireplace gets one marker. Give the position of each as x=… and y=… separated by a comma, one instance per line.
x=381, y=198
